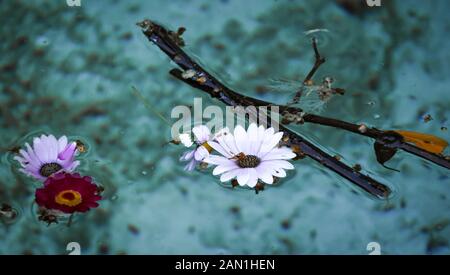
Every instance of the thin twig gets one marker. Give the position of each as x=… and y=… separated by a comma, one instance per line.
x=148, y=105
x=319, y=60
x=69, y=222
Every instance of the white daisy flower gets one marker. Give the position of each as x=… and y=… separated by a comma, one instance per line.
x=202, y=136
x=250, y=156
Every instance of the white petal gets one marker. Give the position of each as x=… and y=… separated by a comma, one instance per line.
x=270, y=144
x=253, y=177
x=261, y=130
x=252, y=135
x=280, y=164
x=265, y=173
x=280, y=173
x=24, y=156
x=229, y=175
x=279, y=153
x=62, y=143
x=265, y=137
x=243, y=176
x=230, y=142
x=252, y=130
x=200, y=153
x=219, y=148
x=240, y=136
x=21, y=160
x=228, y=145
x=269, y=132
x=221, y=133
x=201, y=133
x=261, y=135
x=225, y=168
x=186, y=140
x=216, y=160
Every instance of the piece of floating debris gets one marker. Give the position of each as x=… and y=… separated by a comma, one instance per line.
x=321, y=36
x=48, y=216
x=427, y=118
x=81, y=147
x=188, y=74
x=7, y=213
x=427, y=142
x=362, y=128
x=309, y=32
x=357, y=167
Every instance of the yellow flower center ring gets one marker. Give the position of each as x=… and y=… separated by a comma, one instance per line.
x=68, y=198
x=207, y=146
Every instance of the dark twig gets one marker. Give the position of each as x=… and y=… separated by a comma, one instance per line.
x=69, y=222
x=387, y=138
x=319, y=60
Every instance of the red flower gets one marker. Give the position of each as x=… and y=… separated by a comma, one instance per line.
x=68, y=193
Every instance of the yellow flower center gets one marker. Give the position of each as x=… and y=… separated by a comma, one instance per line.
x=207, y=147
x=68, y=198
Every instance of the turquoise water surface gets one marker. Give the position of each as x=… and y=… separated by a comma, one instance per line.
x=69, y=70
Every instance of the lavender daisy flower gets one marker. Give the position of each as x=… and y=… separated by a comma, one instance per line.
x=250, y=156
x=202, y=136
x=47, y=156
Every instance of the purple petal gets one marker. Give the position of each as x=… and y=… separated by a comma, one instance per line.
x=68, y=152
x=52, y=148
x=201, y=153
x=62, y=143
x=39, y=147
x=191, y=165
x=187, y=155
x=34, y=159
